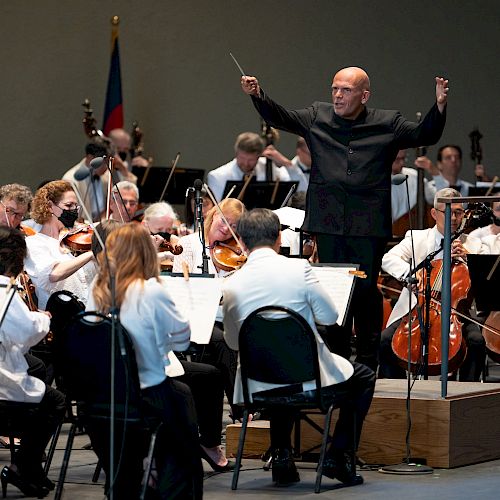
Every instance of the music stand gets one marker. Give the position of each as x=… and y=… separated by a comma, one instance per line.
x=150, y=190
x=483, y=289
x=260, y=194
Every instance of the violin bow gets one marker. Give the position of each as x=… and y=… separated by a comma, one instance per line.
x=174, y=164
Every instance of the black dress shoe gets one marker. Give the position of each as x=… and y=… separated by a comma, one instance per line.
x=283, y=468
x=339, y=466
x=215, y=466
x=29, y=489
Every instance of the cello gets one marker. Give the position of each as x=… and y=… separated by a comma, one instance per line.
x=460, y=286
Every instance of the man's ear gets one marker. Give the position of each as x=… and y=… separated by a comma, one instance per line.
x=365, y=96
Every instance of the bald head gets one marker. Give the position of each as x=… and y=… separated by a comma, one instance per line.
x=350, y=92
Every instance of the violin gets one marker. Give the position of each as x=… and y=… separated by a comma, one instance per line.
x=166, y=246
x=79, y=239
x=227, y=255
x=460, y=286
x=27, y=230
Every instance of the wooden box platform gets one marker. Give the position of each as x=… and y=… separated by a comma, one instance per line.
x=462, y=429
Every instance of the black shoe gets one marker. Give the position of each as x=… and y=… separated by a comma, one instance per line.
x=8, y=475
x=215, y=466
x=283, y=468
x=339, y=466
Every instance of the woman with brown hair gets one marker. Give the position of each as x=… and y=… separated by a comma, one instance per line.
x=156, y=328
x=51, y=266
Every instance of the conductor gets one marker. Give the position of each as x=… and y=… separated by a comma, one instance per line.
x=348, y=204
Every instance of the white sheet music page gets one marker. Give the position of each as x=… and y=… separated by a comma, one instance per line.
x=198, y=300
x=338, y=283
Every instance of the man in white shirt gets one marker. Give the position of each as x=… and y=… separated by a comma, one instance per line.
x=399, y=201
x=249, y=148
x=396, y=262
x=271, y=279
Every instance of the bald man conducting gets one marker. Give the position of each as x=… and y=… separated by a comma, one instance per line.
x=348, y=203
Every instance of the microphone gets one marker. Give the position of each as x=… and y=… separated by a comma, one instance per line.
x=398, y=179
x=83, y=172
x=198, y=186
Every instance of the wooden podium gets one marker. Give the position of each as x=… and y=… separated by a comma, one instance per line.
x=462, y=429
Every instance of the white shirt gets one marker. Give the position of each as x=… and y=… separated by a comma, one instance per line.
x=155, y=326
x=20, y=330
x=271, y=279
x=490, y=244
x=482, y=232
x=399, y=200
x=396, y=261
x=217, y=178
x=299, y=172
x=440, y=183
x=44, y=252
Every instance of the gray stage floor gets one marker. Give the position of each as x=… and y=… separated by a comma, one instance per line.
x=481, y=481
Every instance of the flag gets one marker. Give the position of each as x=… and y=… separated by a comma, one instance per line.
x=113, y=109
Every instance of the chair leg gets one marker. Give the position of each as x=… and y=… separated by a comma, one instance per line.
x=241, y=443
x=65, y=462
x=149, y=462
x=97, y=472
x=52, y=449
x=324, y=443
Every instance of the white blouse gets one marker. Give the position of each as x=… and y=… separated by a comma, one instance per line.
x=44, y=252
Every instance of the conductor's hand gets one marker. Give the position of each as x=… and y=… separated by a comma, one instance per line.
x=441, y=92
x=250, y=85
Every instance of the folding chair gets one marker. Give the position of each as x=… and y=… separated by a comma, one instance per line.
x=278, y=346
x=84, y=358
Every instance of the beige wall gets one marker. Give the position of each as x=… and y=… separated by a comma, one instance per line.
x=181, y=85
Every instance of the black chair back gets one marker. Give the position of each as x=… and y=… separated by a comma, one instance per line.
x=85, y=363
x=278, y=346
x=63, y=306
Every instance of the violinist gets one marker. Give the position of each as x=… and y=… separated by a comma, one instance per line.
x=15, y=200
x=50, y=266
x=20, y=330
x=124, y=201
x=396, y=263
x=217, y=353
x=488, y=233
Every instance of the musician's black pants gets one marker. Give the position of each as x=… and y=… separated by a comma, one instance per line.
x=366, y=304
x=470, y=370
x=358, y=390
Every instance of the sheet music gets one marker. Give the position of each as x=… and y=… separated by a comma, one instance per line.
x=338, y=283
x=198, y=300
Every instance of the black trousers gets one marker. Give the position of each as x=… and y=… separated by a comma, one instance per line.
x=39, y=426
x=205, y=382
x=178, y=461
x=225, y=359
x=357, y=392
x=470, y=370
x=366, y=304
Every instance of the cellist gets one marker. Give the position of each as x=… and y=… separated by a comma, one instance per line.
x=396, y=262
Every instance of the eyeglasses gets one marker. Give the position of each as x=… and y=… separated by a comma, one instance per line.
x=11, y=212
x=457, y=213
x=131, y=203
x=69, y=206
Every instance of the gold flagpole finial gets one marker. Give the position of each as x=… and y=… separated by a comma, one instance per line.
x=115, y=20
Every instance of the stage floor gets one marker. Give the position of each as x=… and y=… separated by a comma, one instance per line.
x=480, y=481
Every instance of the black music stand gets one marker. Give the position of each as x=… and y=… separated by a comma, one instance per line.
x=151, y=189
x=259, y=194
x=483, y=289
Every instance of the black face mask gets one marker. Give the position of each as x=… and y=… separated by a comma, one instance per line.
x=165, y=236
x=68, y=217
x=122, y=155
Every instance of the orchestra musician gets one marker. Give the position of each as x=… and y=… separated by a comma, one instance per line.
x=399, y=202
x=217, y=353
x=20, y=330
x=156, y=327
x=15, y=201
x=493, y=229
x=271, y=279
x=123, y=208
x=396, y=263
x=348, y=200
x=50, y=266
x=248, y=148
